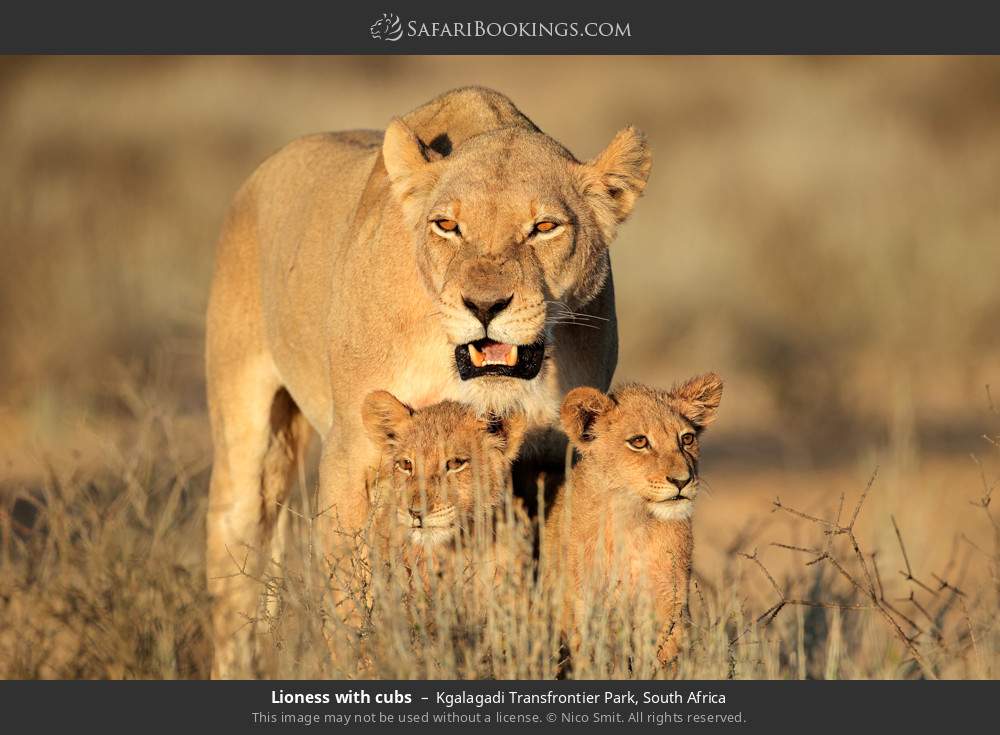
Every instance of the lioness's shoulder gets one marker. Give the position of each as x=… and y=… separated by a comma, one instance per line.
x=319, y=158
x=322, y=146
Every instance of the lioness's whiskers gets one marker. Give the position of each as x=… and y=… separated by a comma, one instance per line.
x=571, y=322
x=567, y=311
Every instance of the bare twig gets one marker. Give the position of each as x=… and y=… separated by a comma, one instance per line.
x=908, y=574
x=870, y=588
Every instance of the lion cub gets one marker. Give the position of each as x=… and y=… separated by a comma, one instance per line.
x=624, y=514
x=443, y=470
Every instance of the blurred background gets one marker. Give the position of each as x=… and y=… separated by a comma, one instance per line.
x=824, y=233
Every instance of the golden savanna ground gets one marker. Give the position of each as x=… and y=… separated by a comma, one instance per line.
x=821, y=232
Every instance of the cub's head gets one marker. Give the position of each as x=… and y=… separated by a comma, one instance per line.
x=644, y=441
x=510, y=229
x=441, y=465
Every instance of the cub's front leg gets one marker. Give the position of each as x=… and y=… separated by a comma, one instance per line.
x=672, y=617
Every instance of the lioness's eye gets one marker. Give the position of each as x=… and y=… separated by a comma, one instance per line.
x=687, y=439
x=638, y=442
x=544, y=227
x=405, y=466
x=446, y=225
x=457, y=464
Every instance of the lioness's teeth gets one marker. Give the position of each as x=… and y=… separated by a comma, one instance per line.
x=512, y=356
x=478, y=358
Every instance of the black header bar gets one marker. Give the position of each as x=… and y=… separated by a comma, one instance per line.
x=513, y=27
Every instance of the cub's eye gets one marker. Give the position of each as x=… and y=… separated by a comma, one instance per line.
x=687, y=439
x=457, y=464
x=638, y=443
x=405, y=466
x=446, y=226
x=543, y=227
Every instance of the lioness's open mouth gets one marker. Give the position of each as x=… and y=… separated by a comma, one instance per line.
x=486, y=357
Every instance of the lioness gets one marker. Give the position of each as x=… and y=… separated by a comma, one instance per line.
x=461, y=254
x=624, y=516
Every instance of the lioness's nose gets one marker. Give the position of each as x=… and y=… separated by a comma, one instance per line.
x=416, y=514
x=679, y=482
x=486, y=310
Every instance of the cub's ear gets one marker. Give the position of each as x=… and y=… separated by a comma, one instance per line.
x=384, y=416
x=616, y=178
x=509, y=430
x=581, y=407
x=407, y=162
x=699, y=398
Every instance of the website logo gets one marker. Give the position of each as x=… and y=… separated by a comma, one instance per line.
x=387, y=28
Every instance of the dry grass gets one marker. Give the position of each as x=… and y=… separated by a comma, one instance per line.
x=819, y=231
x=103, y=577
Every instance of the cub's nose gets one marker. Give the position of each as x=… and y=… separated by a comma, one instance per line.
x=486, y=310
x=418, y=515
x=679, y=482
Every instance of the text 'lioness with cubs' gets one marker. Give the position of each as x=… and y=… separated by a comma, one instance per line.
x=461, y=255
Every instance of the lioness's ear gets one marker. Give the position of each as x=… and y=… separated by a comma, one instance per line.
x=402, y=150
x=699, y=398
x=407, y=162
x=384, y=416
x=580, y=408
x=616, y=178
x=509, y=429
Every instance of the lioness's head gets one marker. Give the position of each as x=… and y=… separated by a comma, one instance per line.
x=508, y=227
x=439, y=462
x=644, y=441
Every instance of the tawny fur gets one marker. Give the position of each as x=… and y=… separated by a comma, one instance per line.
x=622, y=523
x=444, y=471
x=330, y=282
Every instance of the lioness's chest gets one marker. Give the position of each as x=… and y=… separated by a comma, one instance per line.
x=426, y=376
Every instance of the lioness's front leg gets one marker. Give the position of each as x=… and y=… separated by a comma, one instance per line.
x=343, y=525
x=239, y=519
